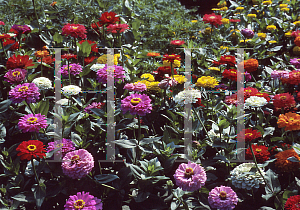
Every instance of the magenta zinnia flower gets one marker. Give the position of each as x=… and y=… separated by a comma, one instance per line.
x=223, y=198
x=28, y=92
x=15, y=76
x=138, y=87
x=190, y=176
x=102, y=74
x=77, y=164
x=32, y=123
x=247, y=33
x=23, y=29
x=75, y=69
x=94, y=105
x=295, y=62
x=136, y=104
x=83, y=201
x=278, y=74
x=74, y=30
x=66, y=146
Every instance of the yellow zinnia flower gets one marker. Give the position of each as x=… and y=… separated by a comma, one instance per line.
x=214, y=68
x=194, y=21
x=224, y=47
x=207, y=82
x=267, y=2
x=239, y=8
x=271, y=27
x=180, y=78
x=297, y=23
x=283, y=5
x=148, y=76
x=288, y=34
x=207, y=30
x=225, y=20
x=272, y=42
x=103, y=59
x=251, y=15
x=153, y=86
x=176, y=63
x=215, y=9
x=262, y=35
x=285, y=9
x=247, y=40
x=222, y=5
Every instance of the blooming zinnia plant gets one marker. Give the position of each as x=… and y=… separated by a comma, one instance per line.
x=19, y=61
x=207, y=82
x=285, y=165
x=136, y=104
x=74, y=30
x=74, y=69
x=43, y=83
x=248, y=135
x=31, y=148
x=187, y=96
x=291, y=121
x=32, y=123
x=292, y=203
x=83, y=200
x=28, y=92
x=213, y=19
x=260, y=151
x=116, y=72
x=70, y=90
x=223, y=198
x=66, y=146
x=15, y=76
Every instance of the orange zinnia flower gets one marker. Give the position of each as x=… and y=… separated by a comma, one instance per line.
x=250, y=65
x=291, y=121
x=153, y=54
x=41, y=53
x=285, y=165
x=297, y=41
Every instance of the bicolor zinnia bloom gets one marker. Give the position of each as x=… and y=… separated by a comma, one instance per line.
x=171, y=58
x=190, y=177
x=207, y=82
x=284, y=100
x=74, y=69
x=117, y=28
x=213, y=19
x=260, y=151
x=250, y=65
x=177, y=42
x=292, y=203
x=247, y=33
x=230, y=74
x=78, y=163
x=28, y=92
x=109, y=18
x=222, y=198
x=248, y=135
x=20, y=61
x=74, y=30
x=31, y=148
x=227, y=59
x=187, y=96
x=21, y=29
x=264, y=95
x=41, y=53
x=116, y=72
x=66, y=146
x=15, y=76
x=136, y=104
x=295, y=62
x=32, y=123
x=285, y=165
x=291, y=121
x=93, y=105
x=83, y=200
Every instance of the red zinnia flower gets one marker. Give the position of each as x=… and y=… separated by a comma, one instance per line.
x=94, y=45
x=4, y=36
x=249, y=91
x=109, y=18
x=74, y=30
x=177, y=42
x=117, y=28
x=171, y=58
x=292, y=203
x=261, y=153
x=234, y=20
x=68, y=56
x=198, y=103
x=48, y=60
x=10, y=41
x=96, y=26
x=250, y=135
x=228, y=59
x=294, y=78
x=264, y=95
x=213, y=19
x=216, y=63
x=295, y=33
x=284, y=100
x=31, y=148
x=18, y=62
x=250, y=65
x=230, y=74
x=89, y=60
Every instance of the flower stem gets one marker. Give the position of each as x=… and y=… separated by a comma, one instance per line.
x=41, y=66
x=255, y=116
x=36, y=16
x=69, y=71
x=33, y=167
x=3, y=49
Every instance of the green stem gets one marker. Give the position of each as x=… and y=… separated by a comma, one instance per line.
x=255, y=116
x=172, y=70
x=293, y=137
x=41, y=66
x=69, y=72
x=33, y=167
x=36, y=16
x=201, y=123
x=29, y=107
x=4, y=49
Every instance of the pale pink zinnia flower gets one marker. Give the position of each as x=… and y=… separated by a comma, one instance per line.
x=74, y=30
x=28, y=92
x=190, y=177
x=83, y=201
x=66, y=146
x=15, y=76
x=138, y=87
x=32, y=123
x=2, y=23
x=112, y=71
x=223, y=198
x=136, y=104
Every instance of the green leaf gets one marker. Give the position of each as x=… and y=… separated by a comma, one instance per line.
x=272, y=186
x=24, y=197
x=85, y=49
x=42, y=107
x=39, y=193
x=131, y=143
x=58, y=38
x=105, y=178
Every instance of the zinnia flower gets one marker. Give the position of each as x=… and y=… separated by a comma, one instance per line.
x=180, y=78
x=232, y=99
x=247, y=33
x=277, y=74
x=28, y=92
x=283, y=100
x=116, y=72
x=190, y=177
x=4, y=36
x=74, y=69
x=213, y=19
x=32, y=123
x=70, y=90
x=262, y=35
x=74, y=30
x=249, y=91
x=14, y=46
x=77, y=164
x=20, y=61
x=153, y=54
x=255, y=101
x=293, y=78
x=69, y=56
x=93, y=105
x=260, y=151
x=292, y=203
x=222, y=198
x=43, y=83
x=271, y=27
x=177, y=42
x=291, y=121
x=138, y=87
x=248, y=135
x=66, y=146
x=207, y=82
x=285, y=165
x=264, y=95
x=15, y=76
x=117, y=28
x=31, y=148
x=295, y=33
x=171, y=58
x=227, y=59
x=109, y=18
x=83, y=201
x=250, y=65
x=187, y=96
x=295, y=62
x=21, y=29
x=136, y=104
x=297, y=41
x=41, y=53
x=230, y=74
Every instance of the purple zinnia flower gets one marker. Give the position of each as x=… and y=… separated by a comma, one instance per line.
x=278, y=74
x=83, y=201
x=28, y=92
x=190, y=176
x=94, y=105
x=295, y=62
x=102, y=74
x=15, y=76
x=23, y=29
x=75, y=69
x=77, y=164
x=247, y=76
x=247, y=33
x=223, y=198
x=66, y=146
x=136, y=104
x=32, y=123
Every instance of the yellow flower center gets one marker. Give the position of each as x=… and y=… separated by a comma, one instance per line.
x=31, y=147
x=223, y=195
x=135, y=101
x=212, y=17
x=74, y=27
x=24, y=88
x=249, y=134
x=283, y=97
x=233, y=72
x=75, y=158
x=108, y=17
x=32, y=120
x=79, y=204
x=16, y=73
x=258, y=150
x=188, y=172
x=60, y=145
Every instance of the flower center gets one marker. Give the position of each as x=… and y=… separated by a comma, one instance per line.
x=108, y=17
x=16, y=73
x=283, y=97
x=298, y=59
x=75, y=158
x=228, y=58
x=74, y=27
x=258, y=150
x=24, y=88
x=32, y=120
x=249, y=134
x=60, y=145
x=79, y=204
x=248, y=91
x=188, y=172
x=291, y=119
x=212, y=17
x=135, y=101
x=31, y=147
x=233, y=72
x=223, y=195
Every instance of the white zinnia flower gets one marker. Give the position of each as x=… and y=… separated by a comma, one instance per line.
x=42, y=83
x=241, y=179
x=97, y=66
x=62, y=101
x=187, y=96
x=71, y=90
x=256, y=101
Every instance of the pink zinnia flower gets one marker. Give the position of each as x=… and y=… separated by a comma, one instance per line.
x=83, y=201
x=136, y=104
x=66, y=146
x=32, y=123
x=15, y=76
x=129, y=86
x=94, y=105
x=74, y=30
x=74, y=68
x=222, y=198
x=177, y=42
x=295, y=62
x=2, y=23
x=77, y=164
x=28, y=92
x=23, y=29
x=190, y=176
x=138, y=87
x=278, y=74
x=117, y=28
x=102, y=74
